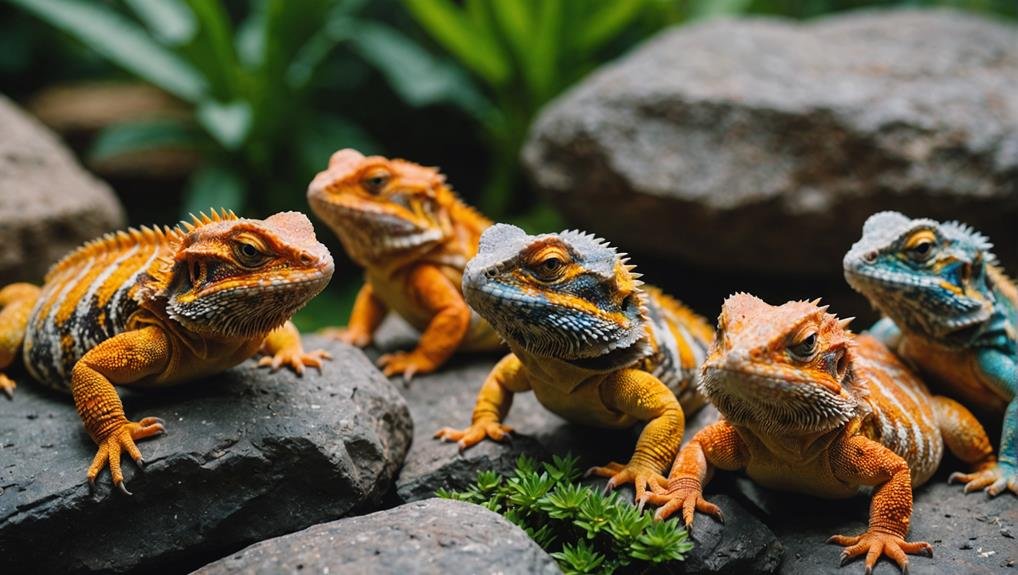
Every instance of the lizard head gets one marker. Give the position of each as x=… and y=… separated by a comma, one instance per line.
x=568, y=295
x=381, y=208
x=930, y=278
x=241, y=277
x=786, y=369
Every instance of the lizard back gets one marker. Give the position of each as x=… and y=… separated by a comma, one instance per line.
x=679, y=340
x=902, y=418
x=87, y=298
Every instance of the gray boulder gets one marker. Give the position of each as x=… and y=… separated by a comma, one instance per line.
x=247, y=455
x=48, y=203
x=435, y=536
x=762, y=145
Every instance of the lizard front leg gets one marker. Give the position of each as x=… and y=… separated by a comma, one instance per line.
x=645, y=398
x=123, y=359
x=860, y=460
x=717, y=445
x=16, y=302
x=493, y=403
x=283, y=347
x=367, y=314
x=967, y=440
x=450, y=320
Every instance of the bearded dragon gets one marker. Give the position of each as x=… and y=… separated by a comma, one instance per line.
x=951, y=313
x=593, y=345
x=157, y=306
x=808, y=407
x=413, y=236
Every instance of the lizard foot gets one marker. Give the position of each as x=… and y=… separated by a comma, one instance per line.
x=406, y=363
x=875, y=543
x=474, y=434
x=641, y=476
x=123, y=440
x=295, y=360
x=354, y=337
x=683, y=493
x=994, y=480
x=7, y=386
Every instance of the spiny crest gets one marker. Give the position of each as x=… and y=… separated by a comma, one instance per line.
x=201, y=219
x=114, y=242
x=969, y=238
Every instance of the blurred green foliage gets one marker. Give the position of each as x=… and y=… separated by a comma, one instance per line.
x=275, y=86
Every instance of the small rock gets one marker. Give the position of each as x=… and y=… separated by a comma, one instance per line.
x=48, y=204
x=434, y=536
x=244, y=458
x=741, y=545
x=726, y=144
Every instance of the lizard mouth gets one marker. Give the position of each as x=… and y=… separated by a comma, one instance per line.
x=778, y=404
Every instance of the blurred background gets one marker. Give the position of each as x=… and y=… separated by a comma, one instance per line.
x=180, y=105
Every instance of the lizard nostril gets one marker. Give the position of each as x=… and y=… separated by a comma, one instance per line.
x=870, y=257
x=306, y=260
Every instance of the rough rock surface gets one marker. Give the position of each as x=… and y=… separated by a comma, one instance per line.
x=48, y=203
x=735, y=141
x=435, y=536
x=247, y=456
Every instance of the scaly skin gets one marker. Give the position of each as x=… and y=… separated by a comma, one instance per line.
x=592, y=345
x=413, y=236
x=808, y=407
x=155, y=307
x=951, y=313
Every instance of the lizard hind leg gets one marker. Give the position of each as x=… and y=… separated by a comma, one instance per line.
x=967, y=440
x=16, y=303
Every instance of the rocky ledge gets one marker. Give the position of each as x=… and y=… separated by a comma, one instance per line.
x=764, y=531
x=721, y=137
x=434, y=536
x=247, y=456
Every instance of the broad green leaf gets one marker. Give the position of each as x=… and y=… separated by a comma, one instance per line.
x=214, y=187
x=605, y=21
x=122, y=42
x=249, y=42
x=542, y=65
x=213, y=48
x=420, y=78
x=153, y=134
x=516, y=24
x=229, y=124
x=169, y=20
x=450, y=27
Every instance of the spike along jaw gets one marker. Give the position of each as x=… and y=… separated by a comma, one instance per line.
x=927, y=277
x=783, y=369
x=244, y=277
x=568, y=296
x=380, y=207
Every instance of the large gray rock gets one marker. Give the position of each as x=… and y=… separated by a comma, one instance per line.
x=436, y=536
x=763, y=144
x=247, y=456
x=48, y=203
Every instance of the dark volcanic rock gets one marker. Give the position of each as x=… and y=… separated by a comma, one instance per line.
x=48, y=203
x=247, y=455
x=727, y=144
x=742, y=545
x=433, y=536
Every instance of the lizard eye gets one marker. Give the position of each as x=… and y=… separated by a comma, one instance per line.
x=921, y=251
x=805, y=348
x=550, y=268
x=374, y=182
x=249, y=255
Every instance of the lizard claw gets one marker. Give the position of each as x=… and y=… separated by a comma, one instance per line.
x=406, y=363
x=295, y=359
x=994, y=479
x=354, y=337
x=641, y=476
x=875, y=544
x=7, y=386
x=122, y=439
x=466, y=438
